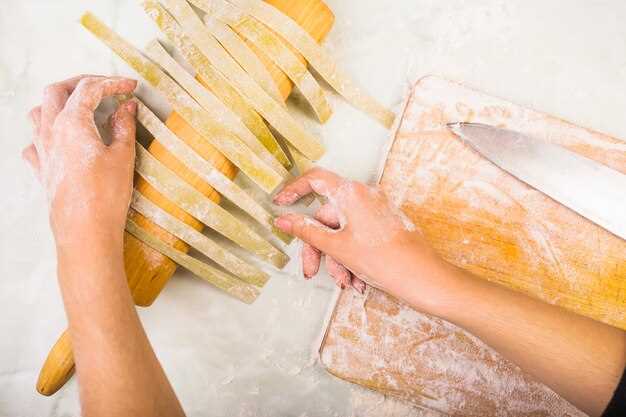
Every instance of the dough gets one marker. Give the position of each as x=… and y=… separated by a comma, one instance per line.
x=198, y=241
x=202, y=168
x=226, y=282
x=242, y=53
x=272, y=46
x=315, y=55
x=212, y=105
x=255, y=96
x=202, y=208
x=211, y=130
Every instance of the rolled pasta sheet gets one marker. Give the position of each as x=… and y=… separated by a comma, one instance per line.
x=248, y=60
x=198, y=241
x=214, y=80
x=225, y=282
x=255, y=96
x=210, y=130
x=204, y=209
x=212, y=105
x=193, y=161
x=315, y=55
x=274, y=48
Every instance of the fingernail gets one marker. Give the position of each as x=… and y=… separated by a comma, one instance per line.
x=285, y=198
x=283, y=224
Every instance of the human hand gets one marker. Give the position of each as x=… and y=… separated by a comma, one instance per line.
x=88, y=183
x=361, y=234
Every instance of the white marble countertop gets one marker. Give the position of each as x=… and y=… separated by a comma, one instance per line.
x=224, y=358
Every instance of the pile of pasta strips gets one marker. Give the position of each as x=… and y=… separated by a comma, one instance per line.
x=225, y=104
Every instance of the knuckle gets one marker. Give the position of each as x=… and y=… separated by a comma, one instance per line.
x=52, y=90
x=360, y=190
x=84, y=83
x=87, y=84
x=301, y=229
x=305, y=233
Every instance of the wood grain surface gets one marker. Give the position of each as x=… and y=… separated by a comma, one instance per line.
x=486, y=221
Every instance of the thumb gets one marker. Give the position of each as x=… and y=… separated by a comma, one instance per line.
x=308, y=230
x=123, y=124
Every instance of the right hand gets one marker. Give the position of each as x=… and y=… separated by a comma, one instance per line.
x=362, y=236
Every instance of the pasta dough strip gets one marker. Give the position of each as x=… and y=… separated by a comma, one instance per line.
x=202, y=208
x=216, y=134
x=225, y=282
x=283, y=57
x=215, y=81
x=198, y=241
x=315, y=55
x=245, y=57
x=255, y=96
x=205, y=170
x=211, y=104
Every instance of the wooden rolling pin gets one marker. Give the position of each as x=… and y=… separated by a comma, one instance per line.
x=146, y=269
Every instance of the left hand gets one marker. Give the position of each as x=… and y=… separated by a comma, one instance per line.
x=88, y=183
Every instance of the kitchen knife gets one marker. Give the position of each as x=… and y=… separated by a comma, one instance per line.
x=591, y=189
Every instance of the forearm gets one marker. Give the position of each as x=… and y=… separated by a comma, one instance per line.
x=580, y=359
x=118, y=372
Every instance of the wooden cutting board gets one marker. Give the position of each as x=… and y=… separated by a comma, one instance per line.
x=484, y=220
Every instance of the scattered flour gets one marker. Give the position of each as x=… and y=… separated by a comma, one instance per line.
x=429, y=362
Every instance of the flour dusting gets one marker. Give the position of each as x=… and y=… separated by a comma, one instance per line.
x=482, y=219
x=429, y=362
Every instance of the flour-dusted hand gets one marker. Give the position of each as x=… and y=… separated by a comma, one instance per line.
x=360, y=233
x=88, y=182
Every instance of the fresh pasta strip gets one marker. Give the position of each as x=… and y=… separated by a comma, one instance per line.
x=316, y=56
x=202, y=208
x=273, y=47
x=255, y=96
x=211, y=130
x=303, y=164
x=225, y=282
x=205, y=170
x=198, y=241
x=211, y=104
x=248, y=60
x=212, y=79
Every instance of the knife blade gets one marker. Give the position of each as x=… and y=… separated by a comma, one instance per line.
x=587, y=187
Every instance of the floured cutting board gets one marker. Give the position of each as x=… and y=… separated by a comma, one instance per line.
x=482, y=219
x=386, y=346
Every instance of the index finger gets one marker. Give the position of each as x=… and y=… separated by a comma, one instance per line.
x=91, y=91
x=317, y=180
